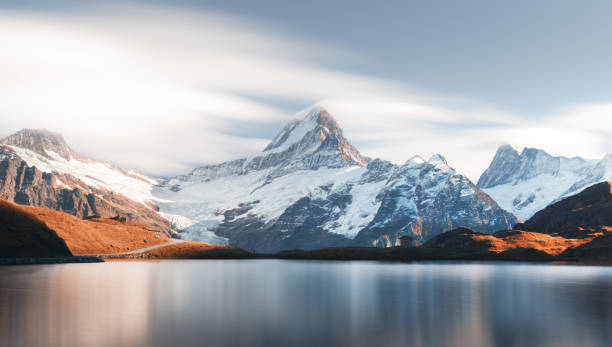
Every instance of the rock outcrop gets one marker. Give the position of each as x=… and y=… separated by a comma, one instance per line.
x=38, y=168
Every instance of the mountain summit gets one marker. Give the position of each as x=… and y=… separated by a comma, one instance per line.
x=310, y=188
x=528, y=182
x=315, y=130
x=40, y=141
x=312, y=140
x=38, y=168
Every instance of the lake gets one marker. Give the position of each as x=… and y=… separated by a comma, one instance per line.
x=305, y=303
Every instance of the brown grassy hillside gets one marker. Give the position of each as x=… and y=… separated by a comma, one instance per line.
x=197, y=250
x=23, y=225
x=503, y=241
x=22, y=234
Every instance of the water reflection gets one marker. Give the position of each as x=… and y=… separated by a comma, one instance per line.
x=281, y=303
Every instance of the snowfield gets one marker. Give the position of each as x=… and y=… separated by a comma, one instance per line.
x=528, y=182
x=130, y=184
x=311, y=183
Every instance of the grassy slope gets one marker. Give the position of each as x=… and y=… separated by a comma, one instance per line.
x=22, y=234
x=95, y=236
x=198, y=250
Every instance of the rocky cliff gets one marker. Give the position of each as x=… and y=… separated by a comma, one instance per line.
x=38, y=168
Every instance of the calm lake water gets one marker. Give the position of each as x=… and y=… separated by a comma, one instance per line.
x=299, y=303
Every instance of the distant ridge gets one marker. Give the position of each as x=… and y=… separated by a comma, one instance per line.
x=526, y=182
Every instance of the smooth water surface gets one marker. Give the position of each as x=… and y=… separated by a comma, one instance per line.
x=302, y=303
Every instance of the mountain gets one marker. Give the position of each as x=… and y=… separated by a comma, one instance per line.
x=528, y=182
x=589, y=211
x=578, y=227
x=38, y=168
x=511, y=244
x=310, y=188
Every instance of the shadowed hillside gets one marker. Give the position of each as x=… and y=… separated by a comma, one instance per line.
x=576, y=216
x=22, y=234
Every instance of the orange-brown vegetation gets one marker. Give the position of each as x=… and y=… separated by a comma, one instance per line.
x=503, y=241
x=196, y=250
x=92, y=236
x=553, y=245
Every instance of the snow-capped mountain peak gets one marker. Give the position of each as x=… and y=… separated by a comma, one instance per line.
x=302, y=124
x=438, y=161
x=311, y=130
x=528, y=182
x=416, y=159
x=313, y=140
x=310, y=188
x=40, y=141
x=508, y=166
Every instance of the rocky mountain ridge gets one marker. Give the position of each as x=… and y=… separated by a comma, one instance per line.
x=38, y=168
x=526, y=182
x=310, y=188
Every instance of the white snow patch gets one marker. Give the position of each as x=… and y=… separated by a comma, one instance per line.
x=304, y=122
x=542, y=189
x=206, y=200
x=135, y=186
x=360, y=212
x=178, y=222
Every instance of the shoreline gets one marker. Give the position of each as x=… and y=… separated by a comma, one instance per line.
x=396, y=254
x=50, y=260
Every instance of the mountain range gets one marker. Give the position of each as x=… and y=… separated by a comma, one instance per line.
x=526, y=182
x=309, y=188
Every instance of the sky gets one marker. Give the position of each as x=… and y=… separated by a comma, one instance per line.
x=166, y=86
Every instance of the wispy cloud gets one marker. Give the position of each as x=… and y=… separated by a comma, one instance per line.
x=162, y=90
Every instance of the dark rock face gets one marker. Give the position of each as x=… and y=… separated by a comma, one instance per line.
x=422, y=200
x=460, y=238
x=299, y=227
x=410, y=205
x=28, y=185
x=591, y=208
x=599, y=249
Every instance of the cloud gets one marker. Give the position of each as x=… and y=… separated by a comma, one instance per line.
x=164, y=90
x=468, y=136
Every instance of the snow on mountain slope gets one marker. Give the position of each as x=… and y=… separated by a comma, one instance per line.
x=311, y=188
x=38, y=168
x=131, y=184
x=530, y=181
